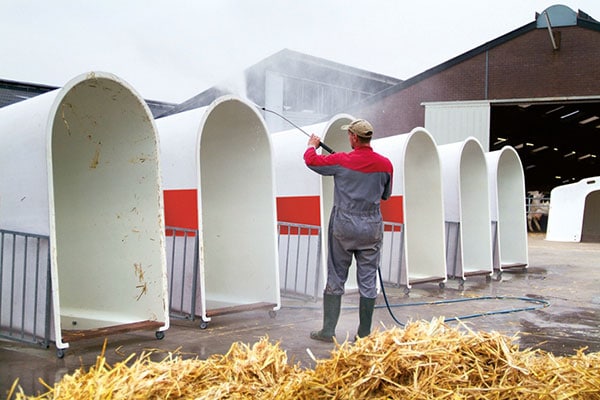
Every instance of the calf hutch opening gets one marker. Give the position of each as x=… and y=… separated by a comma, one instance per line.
x=574, y=214
x=417, y=202
x=80, y=165
x=466, y=209
x=507, y=209
x=219, y=180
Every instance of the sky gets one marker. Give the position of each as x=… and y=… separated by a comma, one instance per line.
x=172, y=50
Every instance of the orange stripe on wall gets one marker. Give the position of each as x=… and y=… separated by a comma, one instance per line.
x=305, y=209
x=181, y=208
x=299, y=209
x=392, y=209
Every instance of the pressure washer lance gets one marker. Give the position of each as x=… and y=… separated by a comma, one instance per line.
x=321, y=144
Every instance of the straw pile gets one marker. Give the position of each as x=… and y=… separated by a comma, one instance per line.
x=425, y=360
x=435, y=361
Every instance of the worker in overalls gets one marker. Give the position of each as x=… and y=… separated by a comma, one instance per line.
x=362, y=178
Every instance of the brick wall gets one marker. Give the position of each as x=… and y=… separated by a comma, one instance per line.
x=523, y=67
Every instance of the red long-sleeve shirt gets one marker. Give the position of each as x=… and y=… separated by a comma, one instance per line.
x=362, y=177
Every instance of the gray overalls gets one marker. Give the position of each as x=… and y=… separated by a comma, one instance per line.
x=362, y=179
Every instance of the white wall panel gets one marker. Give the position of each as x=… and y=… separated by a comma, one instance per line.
x=451, y=122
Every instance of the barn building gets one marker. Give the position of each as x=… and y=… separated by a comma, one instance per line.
x=536, y=89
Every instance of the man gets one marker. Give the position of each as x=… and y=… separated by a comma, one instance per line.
x=362, y=178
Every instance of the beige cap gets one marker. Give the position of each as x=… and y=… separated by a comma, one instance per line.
x=360, y=127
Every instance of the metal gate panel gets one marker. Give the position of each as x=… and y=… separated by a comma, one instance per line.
x=299, y=259
x=25, y=287
x=392, y=254
x=182, y=267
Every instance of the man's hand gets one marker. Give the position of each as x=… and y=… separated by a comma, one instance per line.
x=314, y=141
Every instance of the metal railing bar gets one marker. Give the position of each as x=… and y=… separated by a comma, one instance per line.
x=287, y=256
x=196, y=270
x=307, y=264
x=319, y=265
x=12, y=284
x=36, y=283
x=298, y=239
x=183, y=259
x=47, y=321
x=1, y=268
x=172, y=272
x=24, y=287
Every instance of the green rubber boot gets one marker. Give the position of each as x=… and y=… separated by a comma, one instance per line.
x=331, y=312
x=365, y=313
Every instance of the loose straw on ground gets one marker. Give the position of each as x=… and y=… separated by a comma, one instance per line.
x=424, y=360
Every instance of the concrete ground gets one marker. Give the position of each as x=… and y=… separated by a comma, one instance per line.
x=566, y=276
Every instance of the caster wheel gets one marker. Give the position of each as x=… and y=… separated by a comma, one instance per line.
x=488, y=278
x=406, y=291
x=160, y=335
x=60, y=353
x=272, y=313
x=203, y=325
x=442, y=285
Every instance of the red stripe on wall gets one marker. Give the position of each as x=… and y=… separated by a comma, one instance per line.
x=299, y=209
x=181, y=208
x=392, y=209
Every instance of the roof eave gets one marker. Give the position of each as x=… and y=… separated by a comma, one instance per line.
x=448, y=64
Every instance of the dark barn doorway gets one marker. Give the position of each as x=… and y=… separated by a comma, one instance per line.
x=558, y=142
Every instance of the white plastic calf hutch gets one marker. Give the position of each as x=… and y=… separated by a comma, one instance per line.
x=507, y=209
x=306, y=198
x=219, y=182
x=417, y=202
x=80, y=166
x=575, y=212
x=466, y=209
